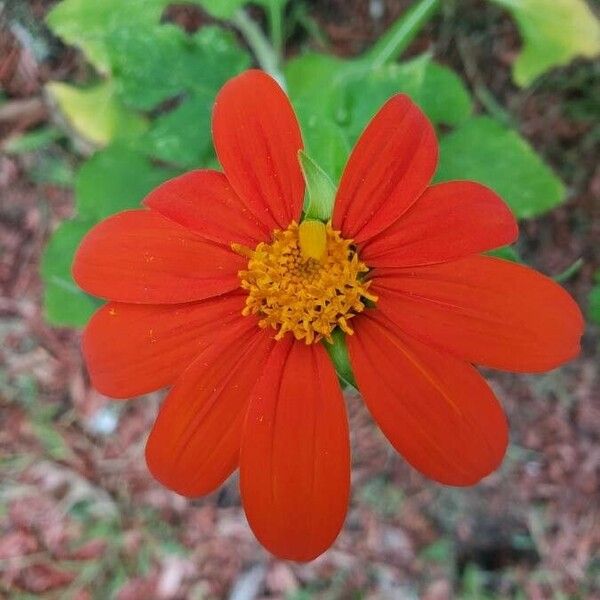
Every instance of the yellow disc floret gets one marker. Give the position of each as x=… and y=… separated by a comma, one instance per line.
x=308, y=281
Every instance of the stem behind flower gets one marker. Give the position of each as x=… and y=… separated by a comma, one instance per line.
x=266, y=55
x=391, y=45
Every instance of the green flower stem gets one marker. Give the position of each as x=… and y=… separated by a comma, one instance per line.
x=338, y=353
x=276, y=9
x=267, y=57
x=391, y=45
x=569, y=272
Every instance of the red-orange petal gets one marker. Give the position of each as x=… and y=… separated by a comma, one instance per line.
x=436, y=410
x=195, y=443
x=295, y=457
x=257, y=138
x=204, y=202
x=449, y=221
x=133, y=349
x=389, y=168
x=139, y=256
x=485, y=310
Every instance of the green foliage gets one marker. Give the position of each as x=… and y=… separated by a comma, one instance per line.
x=479, y=148
x=325, y=141
x=149, y=63
x=226, y=9
x=171, y=138
x=333, y=121
x=164, y=62
x=149, y=108
x=474, y=582
x=506, y=253
x=64, y=303
x=113, y=180
x=33, y=141
x=441, y=551
x=436, y=89
x=145, y=64
x=594, y=301
x=92, y=24
x=484, y=150
x=95, y=113
x=554, y=33
x=320, y=190
x=338, y=353
x=53, y=170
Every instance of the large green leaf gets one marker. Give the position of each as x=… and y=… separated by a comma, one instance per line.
x=436, y=89
x=150, y=62
x=88, y=24
x=182, y=136
x=554, y=33
x=484, y=150
x=95, y=113
x=318, y=80
x=64, y=303
x=333, y=119
x=115, y=179
x=164, y=62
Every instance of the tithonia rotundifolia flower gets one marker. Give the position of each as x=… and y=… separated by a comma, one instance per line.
x=223, y=289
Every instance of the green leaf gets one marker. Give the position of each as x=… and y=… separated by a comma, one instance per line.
x=88, y=24
x=33, y=140
x=150, y=62
x=307, y=75
x=483, y=150
x=51, y=169
x=554, y=33
x=172, y=139
x=115, y=179
x=437, y=90
x=506, y=253
x=594, y=301
x=332, y=121
x=154, y=66
x=319, y=189
x=95, y=113
x=325, y=141
x=338, y=352
x=322, y=116
x=443, y=95
x=64, y=303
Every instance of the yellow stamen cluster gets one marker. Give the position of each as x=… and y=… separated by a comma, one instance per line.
x=293, y=291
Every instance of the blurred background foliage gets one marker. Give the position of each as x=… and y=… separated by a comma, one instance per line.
x=128, y=90
x=143, y=115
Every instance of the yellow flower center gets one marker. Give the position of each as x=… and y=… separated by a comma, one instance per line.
x=308, y=281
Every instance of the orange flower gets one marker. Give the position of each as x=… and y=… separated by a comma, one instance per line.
x=220, y=289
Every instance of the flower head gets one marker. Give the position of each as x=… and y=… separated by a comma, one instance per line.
x=221, y=289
